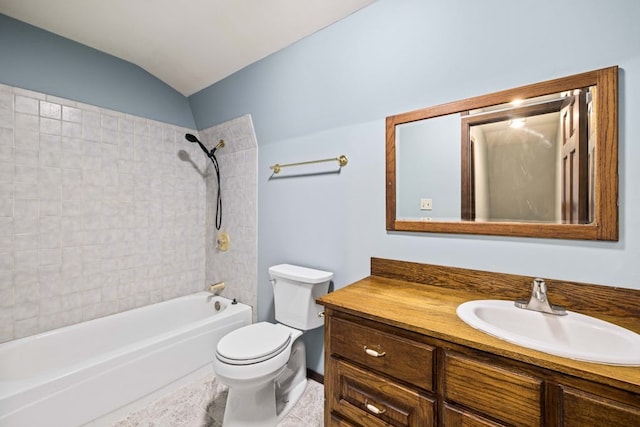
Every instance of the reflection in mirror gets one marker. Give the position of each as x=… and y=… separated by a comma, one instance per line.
x=531, y=162
x=540, y=160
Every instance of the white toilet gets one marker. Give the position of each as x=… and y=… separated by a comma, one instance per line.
x=264, y=364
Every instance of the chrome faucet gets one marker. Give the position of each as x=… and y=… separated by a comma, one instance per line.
x=539, y=301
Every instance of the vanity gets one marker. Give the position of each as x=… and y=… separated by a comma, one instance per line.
x=397, y=354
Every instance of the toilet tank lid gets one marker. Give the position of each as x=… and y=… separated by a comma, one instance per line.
x=300, y=274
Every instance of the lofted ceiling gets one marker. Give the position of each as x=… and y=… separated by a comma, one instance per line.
x=188, y=44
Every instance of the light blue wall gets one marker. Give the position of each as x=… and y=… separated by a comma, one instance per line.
x=34, y=59
x=329, y=95
x=421, y=175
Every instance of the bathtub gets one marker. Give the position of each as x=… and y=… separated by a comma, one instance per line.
x=95, y=372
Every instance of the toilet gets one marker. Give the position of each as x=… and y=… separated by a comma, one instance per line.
x=264, y=364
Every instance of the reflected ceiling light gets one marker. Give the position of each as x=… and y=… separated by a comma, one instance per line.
x=517, y=123
x=517, y=102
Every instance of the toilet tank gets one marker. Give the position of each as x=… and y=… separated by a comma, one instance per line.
x=295, y=290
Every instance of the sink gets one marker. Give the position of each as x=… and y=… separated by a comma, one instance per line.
x=575, y=336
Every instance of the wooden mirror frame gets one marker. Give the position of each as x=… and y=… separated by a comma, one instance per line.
x=605, y=219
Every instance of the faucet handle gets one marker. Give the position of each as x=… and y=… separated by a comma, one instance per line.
x=539, y=289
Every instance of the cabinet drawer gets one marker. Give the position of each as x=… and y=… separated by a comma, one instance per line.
x=395, y=356
x=335, y=421
x=369, y=400
x=500, y=393
x=580, y=408
x=452, y=416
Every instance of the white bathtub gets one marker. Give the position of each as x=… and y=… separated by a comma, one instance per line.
x=94, y=370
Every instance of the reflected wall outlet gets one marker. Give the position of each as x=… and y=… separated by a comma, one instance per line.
x=425, y=205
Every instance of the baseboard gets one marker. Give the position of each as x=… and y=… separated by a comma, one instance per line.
x=313, y=375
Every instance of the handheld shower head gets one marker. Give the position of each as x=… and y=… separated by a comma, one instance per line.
x=211, y=155
x=191, y=137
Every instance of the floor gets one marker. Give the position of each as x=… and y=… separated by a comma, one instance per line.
x=201, y=404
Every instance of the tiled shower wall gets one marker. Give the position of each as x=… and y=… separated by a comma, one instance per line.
x=100, y=212
x=237, y=267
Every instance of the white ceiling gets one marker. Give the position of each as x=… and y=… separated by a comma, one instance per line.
x=188, y=44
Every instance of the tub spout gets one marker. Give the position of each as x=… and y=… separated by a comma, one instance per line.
x=216, y=288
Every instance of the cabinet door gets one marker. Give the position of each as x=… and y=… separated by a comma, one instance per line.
x=371, y=400
x=501, y=393
x=580, y=409
x=456, y=417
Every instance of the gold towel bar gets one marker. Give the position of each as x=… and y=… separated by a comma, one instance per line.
x=342, y=161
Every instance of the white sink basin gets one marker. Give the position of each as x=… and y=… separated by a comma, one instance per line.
x=575, y=335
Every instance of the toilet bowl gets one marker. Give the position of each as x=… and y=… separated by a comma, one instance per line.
x=264, y=364
x=255, y=397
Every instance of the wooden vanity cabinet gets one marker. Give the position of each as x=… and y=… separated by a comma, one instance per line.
x=380, y=375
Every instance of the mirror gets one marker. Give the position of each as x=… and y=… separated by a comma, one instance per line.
x=534, y=161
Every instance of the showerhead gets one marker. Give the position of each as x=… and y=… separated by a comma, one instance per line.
x=191, y=138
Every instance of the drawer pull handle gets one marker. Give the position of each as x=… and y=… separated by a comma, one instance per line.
x=374, y=409
x=372, y=352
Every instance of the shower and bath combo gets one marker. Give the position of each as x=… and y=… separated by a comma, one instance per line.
x=211, y=155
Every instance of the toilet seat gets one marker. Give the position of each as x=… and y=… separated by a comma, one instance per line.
x=253, y=344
